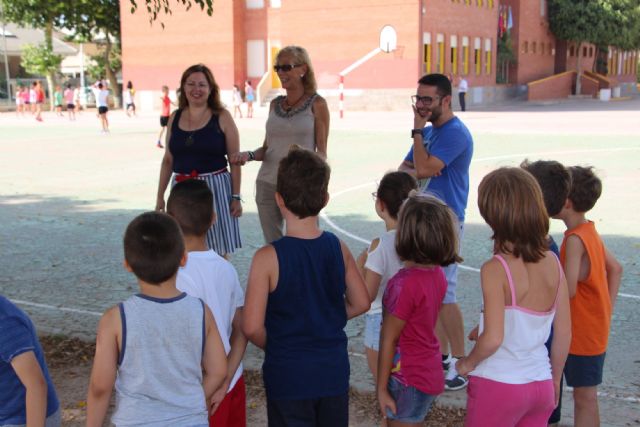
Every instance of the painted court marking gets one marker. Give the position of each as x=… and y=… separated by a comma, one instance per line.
x=357, y=238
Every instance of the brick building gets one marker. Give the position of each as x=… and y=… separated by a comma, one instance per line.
x=241, y=38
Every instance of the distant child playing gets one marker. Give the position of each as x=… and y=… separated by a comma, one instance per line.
x=555, y=182
x=409, y=363
x=380, y=261
x=68, y=98
x=102, y=99
x=512, y=381
x=27, y=396
x=302, y=289
x=593, y=276
x=155, y=345
x=57, y=100
x=165, y=114
x=214, y=280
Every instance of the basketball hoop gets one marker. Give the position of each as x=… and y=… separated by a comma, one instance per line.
x=388, y=39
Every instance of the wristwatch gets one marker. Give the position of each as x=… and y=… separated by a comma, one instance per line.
x=415, y=132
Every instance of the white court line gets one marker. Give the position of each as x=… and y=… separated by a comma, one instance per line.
x=53, y=307
x=357, y=238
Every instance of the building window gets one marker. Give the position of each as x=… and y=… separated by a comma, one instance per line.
x=480, y=3
x=572, y=51
x=256, y=59
x=525, y=47
x=477, y=55
x=550, y=49
x=490, y=3
x=609, y=63
x=543, y=7
x=440, y=41
x=584, y=51
x=276, y=4
x=533, y=48
x=465, y=55
x=426, y=41
x=487, y=60
x=454, y=54
x=255, y=4
x=591, y=52
x=541, y=48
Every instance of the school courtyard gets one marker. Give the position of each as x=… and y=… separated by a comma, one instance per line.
x=67, y=193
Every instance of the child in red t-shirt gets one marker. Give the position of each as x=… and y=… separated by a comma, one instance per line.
x=166, y=112
x=409, y=362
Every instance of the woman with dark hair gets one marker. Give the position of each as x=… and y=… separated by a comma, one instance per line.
x=300, y=117
x=128, y=96
x=200, y=133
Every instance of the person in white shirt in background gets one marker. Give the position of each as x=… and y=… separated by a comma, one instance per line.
x=102, y=99
x=463, y=87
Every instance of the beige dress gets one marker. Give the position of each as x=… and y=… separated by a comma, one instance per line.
x=284, y=129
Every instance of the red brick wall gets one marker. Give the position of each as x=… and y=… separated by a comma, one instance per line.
x=458, y=18
x=589, y=86
x=153, y=56
x=554, y=87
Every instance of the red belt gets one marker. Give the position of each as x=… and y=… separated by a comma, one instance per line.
x=195, y=175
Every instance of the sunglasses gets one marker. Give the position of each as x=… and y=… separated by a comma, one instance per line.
x=285, y=67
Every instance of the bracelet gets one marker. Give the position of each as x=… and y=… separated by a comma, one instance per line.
x=252, y=155
x=236, y=197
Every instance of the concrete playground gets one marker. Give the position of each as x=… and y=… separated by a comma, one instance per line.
x=67, y=193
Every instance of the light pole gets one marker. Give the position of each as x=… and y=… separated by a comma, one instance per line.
x=4, y=49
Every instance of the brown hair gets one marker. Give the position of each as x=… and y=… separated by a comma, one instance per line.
x=191, y=204
x=303, y=182
x=427, y=231
x=510, y=201
x=586, y=188
x=213, y=101
x=300, y=56
x=394, y=188
x=554, y=181
x=153, y=247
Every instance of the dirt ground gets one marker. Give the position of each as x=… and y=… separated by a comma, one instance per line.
x=69, y=361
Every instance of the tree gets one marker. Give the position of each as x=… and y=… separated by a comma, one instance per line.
x=156, y=7
x=601, y=22
x=40, y=60
x=42, y=14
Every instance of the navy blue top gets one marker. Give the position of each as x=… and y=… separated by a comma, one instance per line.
x=18, y=336
x=453, y=145
x=202, y=150
x=306, y=352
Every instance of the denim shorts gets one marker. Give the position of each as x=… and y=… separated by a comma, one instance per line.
x=412, y=405
x=372, y=324
x=584, y=371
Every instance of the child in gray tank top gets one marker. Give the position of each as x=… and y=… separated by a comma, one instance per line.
x=155, y=346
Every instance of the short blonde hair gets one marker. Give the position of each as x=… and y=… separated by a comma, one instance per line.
x=300, y=56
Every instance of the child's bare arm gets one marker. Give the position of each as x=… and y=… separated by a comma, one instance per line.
x=105, y=361
x=28, y=370
x=389, y=335
x=371, y=278
x=263, y=271
x=238, y=345
x=574, y=251
x=356, y=295
x=492, y=277
x=561, y=336
x=214, y=359
x=614, y=275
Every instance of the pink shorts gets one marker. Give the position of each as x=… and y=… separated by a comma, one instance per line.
x=496, y=404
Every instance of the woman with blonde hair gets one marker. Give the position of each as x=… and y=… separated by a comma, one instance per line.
x=300, y=117
x=201, y=134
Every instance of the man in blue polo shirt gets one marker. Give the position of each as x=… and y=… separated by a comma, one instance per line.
x=441, y=155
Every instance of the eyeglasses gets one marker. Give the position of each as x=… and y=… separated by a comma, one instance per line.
x=424, y=100
x=374, y=195
x=285, y=67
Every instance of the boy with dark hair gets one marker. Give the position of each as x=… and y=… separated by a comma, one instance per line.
x=155, y=345
x=214, y=280
x=27, y=395
x=301, y=290
x=593, y=277
x=555, y=182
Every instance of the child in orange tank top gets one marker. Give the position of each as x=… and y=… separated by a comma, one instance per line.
x=593, y=276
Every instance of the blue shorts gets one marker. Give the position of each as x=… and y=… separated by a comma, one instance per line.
x=323, y=411
x=412, y=405
x=584, y=371
x=372, y=325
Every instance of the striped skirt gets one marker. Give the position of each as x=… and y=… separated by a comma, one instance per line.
x=224, y=235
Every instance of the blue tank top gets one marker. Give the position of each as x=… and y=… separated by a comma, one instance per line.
x=306, y=352
x=202, y=150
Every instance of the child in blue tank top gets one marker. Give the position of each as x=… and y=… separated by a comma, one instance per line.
x=301, y=291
